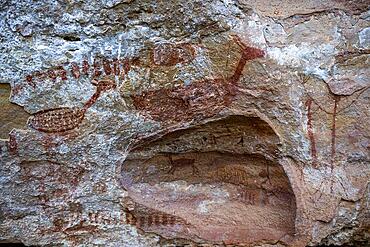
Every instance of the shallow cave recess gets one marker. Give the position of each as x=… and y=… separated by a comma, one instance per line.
x=217, y=182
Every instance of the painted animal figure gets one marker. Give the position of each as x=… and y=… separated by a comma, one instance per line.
x=200, y=99
x=182, y=162
x=67, y=118
x=151, y=217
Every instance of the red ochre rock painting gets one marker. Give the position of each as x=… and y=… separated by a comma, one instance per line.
x=181, y=103
x=314, y=106
x=12, y=143
x=203, y=98
x=67, y=118
x=146, y=218
x=101, y=73
x=169, y=54
x=310, y=131
x=221, y=191
x=100, y=67
x=74, y=220
x=52, y=180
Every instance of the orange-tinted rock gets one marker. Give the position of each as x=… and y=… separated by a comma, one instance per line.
x=11, y=115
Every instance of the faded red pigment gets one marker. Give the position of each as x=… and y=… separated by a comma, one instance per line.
x=85, y=67
x=310, y=132
x=201, y=99
x=147, y=217
x=75, y=70
x=333, y=129
x=12, y=144
x=100, y=67
x=107, y=67
x=172, y=54
x=59, y=120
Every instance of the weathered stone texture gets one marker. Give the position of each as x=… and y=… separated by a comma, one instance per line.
x=185, y=123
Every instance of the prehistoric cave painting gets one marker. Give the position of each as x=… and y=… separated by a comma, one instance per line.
x=67, y=118
x=72, y=228
x=12, y=143
x=182, y=162
x=200, y=99
x=169, y=54
x=74, y=220
x=227, y=192
x=223, y=135
x=310, y=131
x=145, y=218
x=336, y=111
x=100, y=67
x=57, y=120
x=51, y=180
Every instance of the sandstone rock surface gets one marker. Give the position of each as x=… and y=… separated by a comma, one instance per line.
x=185, y=123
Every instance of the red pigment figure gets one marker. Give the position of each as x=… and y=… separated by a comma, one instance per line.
x=85, y=67
x=40, y=75
x=172, y=54
x=61, y=73
x=333, y=129
x=67, y=118
x=75, y=70
x=182, y=162
x=109, y=66
x=310, y=130
x=36, y=75
x=126, y=65
x=12, y=144
x=30, y=81
x=101, y=86
x=97, y=67
x=48, y=142
x=152, y=218
x=248, y=53
x=116, y=69
x=52, y=75
x=200, y=99
x=106, y=66
x=334, y=113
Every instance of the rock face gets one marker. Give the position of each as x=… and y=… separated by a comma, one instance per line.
x=185, y=123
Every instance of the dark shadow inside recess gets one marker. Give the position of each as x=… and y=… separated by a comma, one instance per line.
x=11, y=115
x=216, y=182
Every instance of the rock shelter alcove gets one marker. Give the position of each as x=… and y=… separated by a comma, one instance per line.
x=216, y=182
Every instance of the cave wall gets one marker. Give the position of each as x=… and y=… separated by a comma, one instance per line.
x=196, y=123
x=222, y=181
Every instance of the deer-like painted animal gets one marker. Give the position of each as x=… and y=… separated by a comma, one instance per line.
x=201, y=98
x=182, y=162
